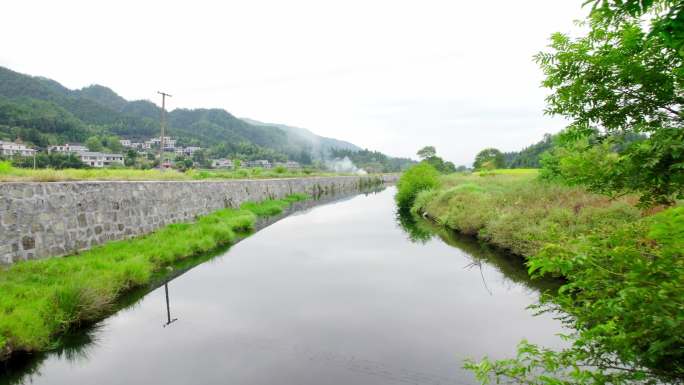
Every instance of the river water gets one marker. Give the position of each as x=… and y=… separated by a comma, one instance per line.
x=335, y=294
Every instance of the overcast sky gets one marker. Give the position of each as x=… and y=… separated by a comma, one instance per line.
x=387, y=75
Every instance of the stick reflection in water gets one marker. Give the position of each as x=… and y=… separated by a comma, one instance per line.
x=169, y=321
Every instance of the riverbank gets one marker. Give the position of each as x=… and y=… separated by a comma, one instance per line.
x=45, y=220
x=519, y=213
x=42, y=299
x=624, y=268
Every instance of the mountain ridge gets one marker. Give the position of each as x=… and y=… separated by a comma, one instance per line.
x=42, y=111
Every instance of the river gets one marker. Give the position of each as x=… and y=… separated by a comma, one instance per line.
x=335, y=294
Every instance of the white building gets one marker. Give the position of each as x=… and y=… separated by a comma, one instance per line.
x=169, y=144
x=125, y=142
x=68, y=148
x=259, y=163
x=222, y=163
x=99, y=160
x=18, y=149
x=188, y=150
x=291, y=164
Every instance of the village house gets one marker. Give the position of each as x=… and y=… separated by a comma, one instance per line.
x=99, y=160
x=169, y=144
x=222, y=163
x=15, y=149
x=68, y=148
x=259, y=163
x=190, y=150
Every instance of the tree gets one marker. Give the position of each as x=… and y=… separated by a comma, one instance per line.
x=200, y=157
x=620, y=79
x=623, y=295
x=94, y=144
x=440, y=165
x=490, y=156
x=426, y=152
x=112, y=143
x=131, y=157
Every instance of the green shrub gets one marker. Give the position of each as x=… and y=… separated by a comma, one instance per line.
x=624, y=300
x=417, y=178
x=6, y=167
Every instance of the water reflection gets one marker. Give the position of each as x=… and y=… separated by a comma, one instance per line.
x=416, y=231
x=481, y=254
x=76, y=345
x=169, y=321
x=330, y=295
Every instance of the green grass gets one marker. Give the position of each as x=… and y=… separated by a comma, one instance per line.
x=517, y=212
x=510, y=171
x=40, y=300
x=272, y=207
x=14, y=174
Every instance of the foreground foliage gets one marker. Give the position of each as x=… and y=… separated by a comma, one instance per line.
x=624, y=296
x=42, y=299
x=623, y=78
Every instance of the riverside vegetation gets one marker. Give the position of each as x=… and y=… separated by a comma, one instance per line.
x=605, y=211
x=43, y=299
x=623, y=267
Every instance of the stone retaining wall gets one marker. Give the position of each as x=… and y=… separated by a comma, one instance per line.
x=40, y=220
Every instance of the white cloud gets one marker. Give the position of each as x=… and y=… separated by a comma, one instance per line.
x=387, y=75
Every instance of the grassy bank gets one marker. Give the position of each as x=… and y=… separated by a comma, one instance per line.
x=517, y=212
x=14, y=174
x=39, y=300
x=623, y=266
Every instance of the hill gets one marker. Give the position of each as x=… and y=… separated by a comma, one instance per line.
x=41, y=112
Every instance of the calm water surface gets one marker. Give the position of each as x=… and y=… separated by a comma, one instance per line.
x=337, y=294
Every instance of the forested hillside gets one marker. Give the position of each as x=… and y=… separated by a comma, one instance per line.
x=41, y=112
x=529, y=156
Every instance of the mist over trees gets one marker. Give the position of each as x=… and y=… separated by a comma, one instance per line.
x=372, y=161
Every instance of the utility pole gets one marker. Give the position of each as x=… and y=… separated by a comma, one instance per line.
x=163, y=126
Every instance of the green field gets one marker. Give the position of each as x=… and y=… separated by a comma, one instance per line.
x=14, y=174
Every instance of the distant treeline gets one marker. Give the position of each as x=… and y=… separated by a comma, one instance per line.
x=373, y=161
x=529, y=156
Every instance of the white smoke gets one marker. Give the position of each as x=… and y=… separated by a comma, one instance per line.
x=344, y=165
